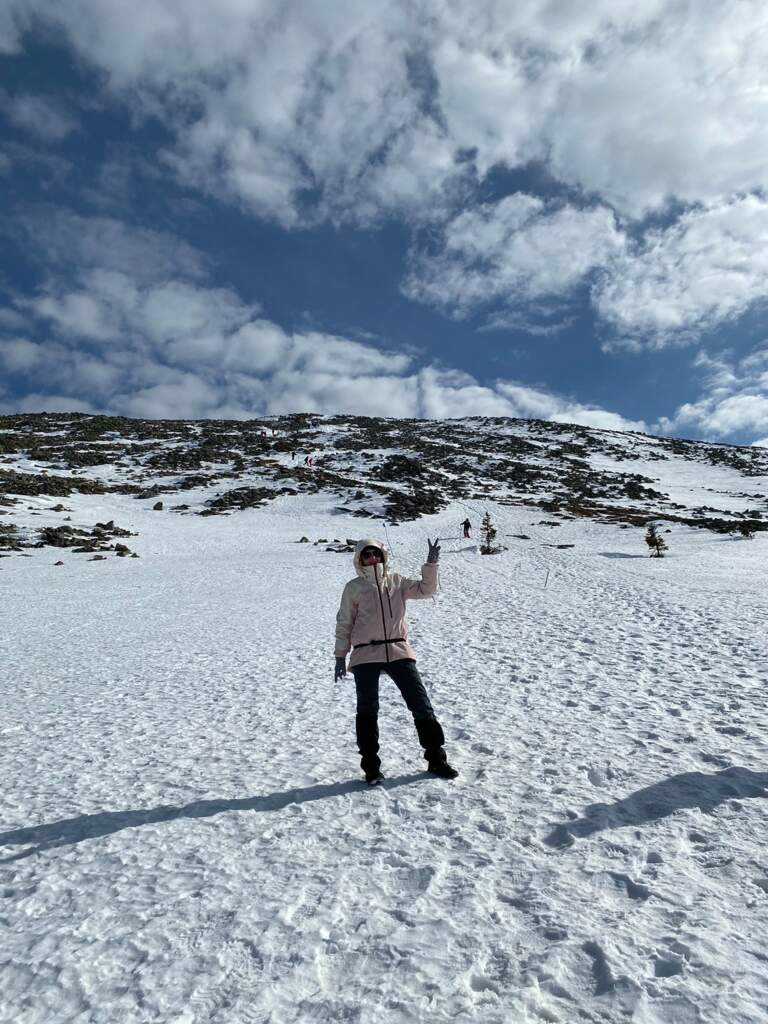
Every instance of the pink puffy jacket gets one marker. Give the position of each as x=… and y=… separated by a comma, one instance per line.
x=373, y=608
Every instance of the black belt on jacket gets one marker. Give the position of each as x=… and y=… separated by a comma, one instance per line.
x=375, y=643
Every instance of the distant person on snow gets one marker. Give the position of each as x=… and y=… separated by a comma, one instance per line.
x=371, y=621
x=467, y=527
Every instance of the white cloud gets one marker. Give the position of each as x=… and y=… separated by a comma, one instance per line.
x=454, y=394
x=721, y=417
x=282, y=104
x=516, y=250
x=177, y=348
x=356, y=112
x=739, y=412
x=173, y=346
x=96, y=378
x=67, y=243
x=106, y=279
x=635, y=103
x=42, y=116
x=186, y=396
x=418, y=176
x=257, y=347
x=540, y=404
x=709, y=267
x=734, y=399
x=40, y=402
x=176, y=310
x=521, y=257
x=724, y=416
x=77, y=313
x=338, y=392
x=673, y=109
x=18, y=355
x=322, y=353
x=47, y=166
x=13, y=20
x=11, y=319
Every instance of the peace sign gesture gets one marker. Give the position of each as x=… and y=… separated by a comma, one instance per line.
x=434, y=550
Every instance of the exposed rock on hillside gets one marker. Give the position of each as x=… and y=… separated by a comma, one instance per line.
x=379, y=468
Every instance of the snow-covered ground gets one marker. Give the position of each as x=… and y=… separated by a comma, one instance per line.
x=184, y=837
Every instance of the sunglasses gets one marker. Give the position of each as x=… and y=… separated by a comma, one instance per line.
x=371, y=553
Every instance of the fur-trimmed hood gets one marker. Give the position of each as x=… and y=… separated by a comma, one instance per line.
x=367, y=572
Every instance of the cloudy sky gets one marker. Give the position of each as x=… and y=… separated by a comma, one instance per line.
x=418, y=208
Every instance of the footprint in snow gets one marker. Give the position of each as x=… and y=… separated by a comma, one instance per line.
x=635, y=890
x=667, y=965
x=715, y=759
x=699, y=839
x=415, y=880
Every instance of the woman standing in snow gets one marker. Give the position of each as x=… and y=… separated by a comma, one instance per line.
x=371, y=621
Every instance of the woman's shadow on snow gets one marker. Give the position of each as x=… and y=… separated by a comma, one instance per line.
x=69, y=831
x=691, y=789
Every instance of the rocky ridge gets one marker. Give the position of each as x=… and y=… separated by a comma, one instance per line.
x=377, y=468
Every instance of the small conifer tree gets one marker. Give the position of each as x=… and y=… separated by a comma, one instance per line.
x=747, y=531
x=655, y=541
x=488, y=531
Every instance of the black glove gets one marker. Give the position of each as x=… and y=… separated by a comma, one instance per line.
x=434, y=550
x=341, y=669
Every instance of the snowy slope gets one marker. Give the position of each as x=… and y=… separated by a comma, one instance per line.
x=185, y=839
x=183, y=834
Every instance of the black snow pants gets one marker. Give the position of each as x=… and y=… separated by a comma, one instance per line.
x=406, y=677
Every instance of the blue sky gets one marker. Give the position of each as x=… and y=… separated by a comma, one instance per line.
x=411, y=209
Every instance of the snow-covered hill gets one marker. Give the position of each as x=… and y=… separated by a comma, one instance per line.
x=183, y=834
x=395, y=470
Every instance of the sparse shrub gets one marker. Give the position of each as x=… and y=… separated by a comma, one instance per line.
x=746, y=530
x=655, y=541
x=488, y=533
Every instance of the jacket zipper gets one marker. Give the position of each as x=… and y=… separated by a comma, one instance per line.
x=383, y=620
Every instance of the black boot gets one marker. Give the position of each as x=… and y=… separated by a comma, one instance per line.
x=367, y=729
x=432, y=739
